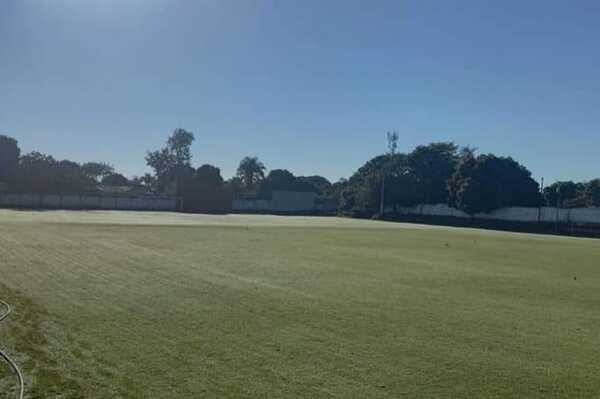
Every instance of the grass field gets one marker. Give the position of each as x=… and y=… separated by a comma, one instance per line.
x=142, y=305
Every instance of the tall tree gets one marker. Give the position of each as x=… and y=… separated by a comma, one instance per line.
x=251, y=171
x=592, y=193
x=320, y=183
x=36, y=173
x=362, y=192
x=488, y=182
x=170, y=162
x=282, y=179
x=9, y=158
x=433, y=165
x=179, y=145
x=146, y=184
x=203, y=190
x=97, y=170
x=563, y=193
x=115, y=180
x=209, y=175
x=41, y=173
x=392, y=141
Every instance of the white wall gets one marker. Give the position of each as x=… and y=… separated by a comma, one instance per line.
x=290, y=201
x=251, y=205
x=87, y=202
x=514, y=214
x=281, y=201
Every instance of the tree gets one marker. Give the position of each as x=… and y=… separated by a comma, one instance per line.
x=592, y=193
x=563, y=193
x=170, y=162
x=41, y=173
x=334, y=193
x=209, y=175
x=146, y=184
x=488, y=182
x=71, y=179
x=362, y=192
x=179, y=145
x=235, y=184
x=36, y=173
x=281, y=179
x=284, y=180
x=320, y=183
x=97, y=170
x=203, y=190
x=433, y=165
x=9, y=158
x=251, y=171
x=115, y=180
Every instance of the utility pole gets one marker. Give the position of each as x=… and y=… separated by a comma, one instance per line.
x=392, y=139
x=542, y=200
x=558, y=202
x=382, y=199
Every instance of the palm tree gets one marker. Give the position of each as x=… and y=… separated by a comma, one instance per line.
x=251, y=171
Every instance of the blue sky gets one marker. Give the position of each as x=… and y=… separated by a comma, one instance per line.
x=311, y=86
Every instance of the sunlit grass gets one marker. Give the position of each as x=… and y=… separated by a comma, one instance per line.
x=140, y=305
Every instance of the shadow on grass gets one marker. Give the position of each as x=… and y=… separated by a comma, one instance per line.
x=29, y=348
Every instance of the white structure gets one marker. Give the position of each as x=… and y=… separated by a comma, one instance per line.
x=515, y=214
x=52, y=201
x=281, y=201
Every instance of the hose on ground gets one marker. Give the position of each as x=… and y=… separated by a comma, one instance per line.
x=10, y=362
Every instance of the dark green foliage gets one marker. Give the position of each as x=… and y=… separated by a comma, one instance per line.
x=251, y=172
x=360, y=193
x=432, y=166
x=169, y=163
x=284, y=180
x=329, y=194
x=403, y=187
x=115, y=180
x=36, y=173
x=281, y=179
x=565, y=194
x=42, y=174
x=322, y=185
x=97, y=170
x=9, y=159
x=592, y=193
x=430, y=174
x=39, y=173
x=209, y=175
x=203, y=190
x=146, y=184
x=488, y=182
x=235, y=185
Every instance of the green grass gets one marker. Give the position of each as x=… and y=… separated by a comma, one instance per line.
x=141, y=305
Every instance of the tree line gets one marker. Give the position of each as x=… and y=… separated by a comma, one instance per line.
x=444, y=173
x=437, y=173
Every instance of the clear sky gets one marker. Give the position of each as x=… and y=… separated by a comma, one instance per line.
x=310, y=85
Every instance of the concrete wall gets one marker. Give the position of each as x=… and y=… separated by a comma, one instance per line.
x=251, y=205
x=281, y=201
x=290, y=201
x=515, y=214
x=37, y=201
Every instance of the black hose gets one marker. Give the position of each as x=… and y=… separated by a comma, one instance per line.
x=12, y=364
